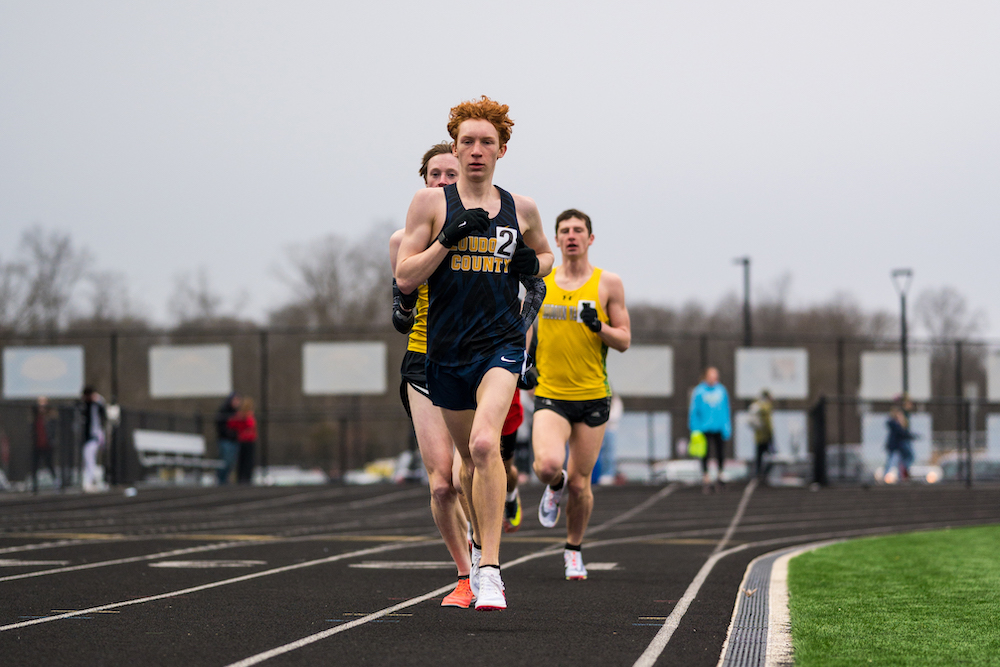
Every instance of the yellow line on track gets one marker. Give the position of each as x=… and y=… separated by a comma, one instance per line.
x=71, y=536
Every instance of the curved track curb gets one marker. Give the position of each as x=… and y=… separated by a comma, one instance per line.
x=760, y=630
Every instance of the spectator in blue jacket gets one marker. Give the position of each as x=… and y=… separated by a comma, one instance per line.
x=899, y=444
x=709, y=413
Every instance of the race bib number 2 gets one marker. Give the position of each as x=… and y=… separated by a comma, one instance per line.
x=506, y=242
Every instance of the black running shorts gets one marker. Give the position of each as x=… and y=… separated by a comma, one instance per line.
x=592, y=413
x=413, y=373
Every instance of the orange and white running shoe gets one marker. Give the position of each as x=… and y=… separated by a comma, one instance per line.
x=575, y=569
x=460, y=597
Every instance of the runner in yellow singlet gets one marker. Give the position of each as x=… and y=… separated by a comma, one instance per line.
x=582, y=316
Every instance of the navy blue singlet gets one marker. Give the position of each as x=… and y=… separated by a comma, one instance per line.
x=473, y=308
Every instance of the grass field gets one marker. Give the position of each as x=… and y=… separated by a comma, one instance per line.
x=918, y=599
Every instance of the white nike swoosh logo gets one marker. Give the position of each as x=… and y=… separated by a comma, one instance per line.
x=507, y=361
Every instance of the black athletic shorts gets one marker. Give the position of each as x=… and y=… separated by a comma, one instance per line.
x=592, y=413
x=413, y=372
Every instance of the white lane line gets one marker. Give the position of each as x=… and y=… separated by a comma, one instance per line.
x=14, y=562
x=405, y=565
x=207, y=564
x=122, y=561
x=214, y=584
x=601, y=567
x=744, y=501
x=655, y=648
x=44, y=545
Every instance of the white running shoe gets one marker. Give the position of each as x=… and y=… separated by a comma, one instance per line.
x=575, y=569
x=491, y=592
x=548, y=509
x=477, y=555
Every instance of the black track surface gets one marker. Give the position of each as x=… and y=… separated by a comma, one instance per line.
x=609, y=619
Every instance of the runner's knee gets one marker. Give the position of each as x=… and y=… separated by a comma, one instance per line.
x=547, y=467
x=442, y=490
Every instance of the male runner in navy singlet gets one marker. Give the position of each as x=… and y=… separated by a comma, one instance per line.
x=471, y=241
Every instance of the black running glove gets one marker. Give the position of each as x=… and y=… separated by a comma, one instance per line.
x=402, y=309
x=590, y=318
x=524, y=261
x=528, y=379
x=471, y=221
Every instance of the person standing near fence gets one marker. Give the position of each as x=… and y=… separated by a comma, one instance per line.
x=709, y=414
x=229, y=448
x=898, y=444
x=244, y=426
x=95, y=418
x=42, y=440
x=763, y=431
x=583, y=315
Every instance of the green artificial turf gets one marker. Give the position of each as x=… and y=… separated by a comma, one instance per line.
x=918, y=599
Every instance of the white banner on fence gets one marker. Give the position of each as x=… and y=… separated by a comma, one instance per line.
x=190, y=371
x=993, y=375
x=644, y=370
x=343, y=368
x=642, y=435
x=791, y=441
x=53, y=371
x=782, y=371
x=874, y=431
x=993, y=437
x=882, y=375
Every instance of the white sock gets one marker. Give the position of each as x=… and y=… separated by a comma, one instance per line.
x=512, y=496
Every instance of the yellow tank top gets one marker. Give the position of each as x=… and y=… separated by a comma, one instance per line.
x=417, y=341
x=570, y=357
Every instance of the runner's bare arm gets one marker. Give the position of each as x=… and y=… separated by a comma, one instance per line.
x=394, y=241
x=531, y=229
x=419, y=254
x=616, y=334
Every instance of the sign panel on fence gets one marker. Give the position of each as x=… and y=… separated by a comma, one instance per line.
x=190, y=371
x=53, y=371
x=790, y=439
x=874, y=431
x=782, y=371
x=644, y=370
x=642, y=444
x=993, y=437
x=882, y=375
x=343, y=368
x=993, y=375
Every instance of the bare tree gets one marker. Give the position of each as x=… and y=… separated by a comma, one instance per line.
x=36, y=292
x=336, y=284
x=945, y=314
x=196, y=304
x=109, y=304
x=10, y=294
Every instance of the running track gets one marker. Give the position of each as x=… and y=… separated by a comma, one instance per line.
x=354, y=575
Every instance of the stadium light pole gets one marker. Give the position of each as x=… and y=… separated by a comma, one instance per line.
x=747, y=331
x=902, y=279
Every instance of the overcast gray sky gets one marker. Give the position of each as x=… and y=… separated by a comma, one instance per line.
x=832, y=141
